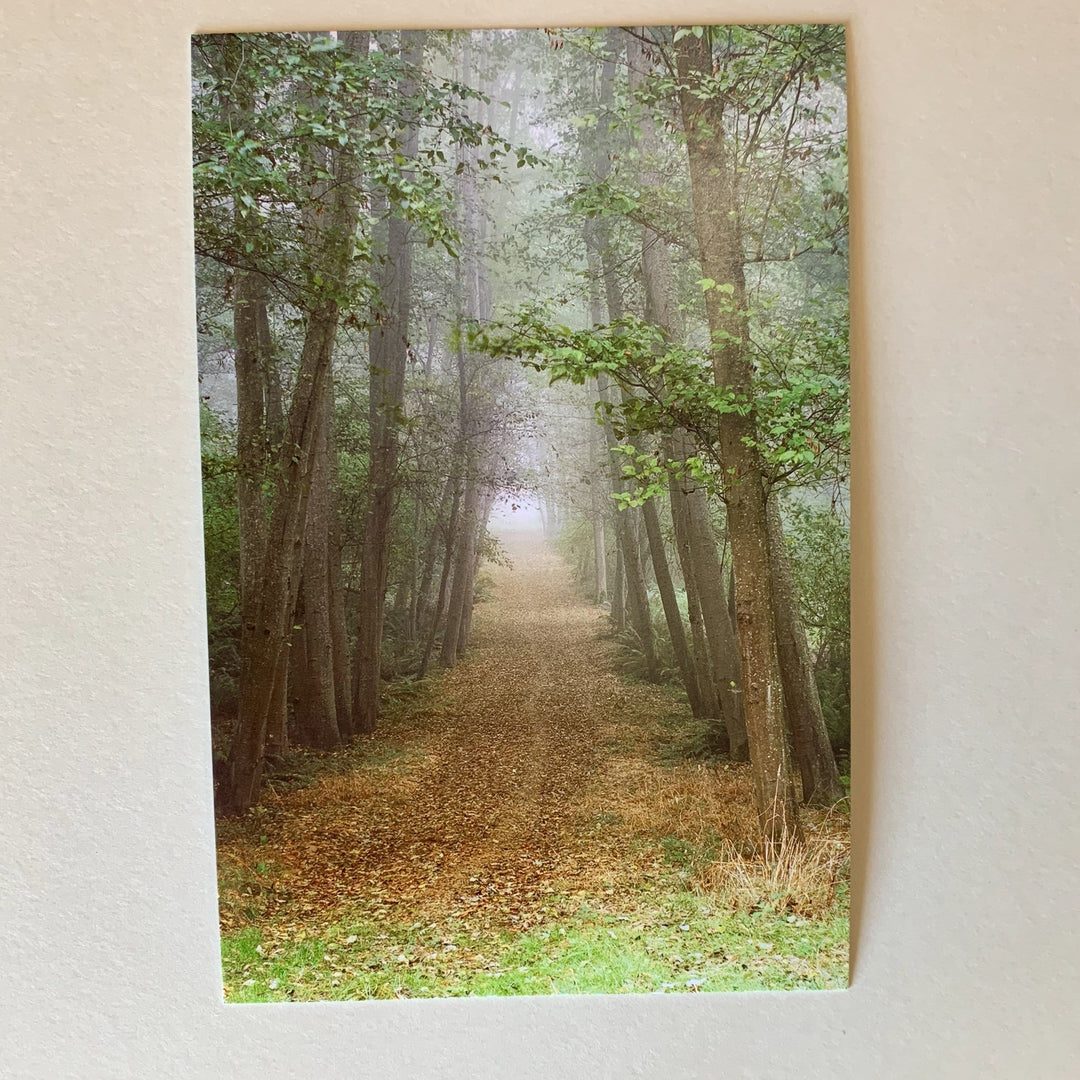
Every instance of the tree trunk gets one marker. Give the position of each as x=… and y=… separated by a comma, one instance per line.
x=265, y=633
x=599, y=559
x=249, y=297
x=422, y=603
x=336, y=587
x=405, y=598
x=599, y=238
x=637, y=593
x=715, y=209
x=295, y=661
x=277, y=725
x=462, y=581
x=618, y=590
x=702, y=660
x=658, y=276
x=820, y=778
x=483, y=513
x=600, y=492
x=723, y=647
x=444, y=578
x=672, y=615
x=635, y=597
x=388, y=358
x=315, y=695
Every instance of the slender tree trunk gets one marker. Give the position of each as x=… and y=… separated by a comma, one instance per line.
x=399, y=612
x=599, y=491
x=412, y=582
x=249, y=296
x=469, y=301
x=274, y=413
x=599, y=238
x=313, y=725
x=820, y=778
x=672, y=615
x=277, y=725
x=444, y=579
x=277, y=736
x=462, y=581
x=618, y=591
x=712, y=185
x=422, y=606
x=662, y=309
x=635, y=597
x=336, y=587
x=295, y=662
x=658, y=276
x=723, y=647
x=315, y=693
x=602, y=169
x=465, y=636
x=637, y=593
x=702, y=659
x=599, y=559
x=389, y=355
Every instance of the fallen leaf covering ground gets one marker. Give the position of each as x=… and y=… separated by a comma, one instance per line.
x=522, y=824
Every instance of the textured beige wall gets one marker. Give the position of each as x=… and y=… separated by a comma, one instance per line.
x=965, y=180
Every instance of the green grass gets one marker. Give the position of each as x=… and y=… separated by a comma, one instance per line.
x=679, y=945
x=686, y=855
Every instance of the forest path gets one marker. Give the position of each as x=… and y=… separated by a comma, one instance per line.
x=487, y=801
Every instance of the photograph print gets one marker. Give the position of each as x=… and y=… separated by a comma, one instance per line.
x=524, y=398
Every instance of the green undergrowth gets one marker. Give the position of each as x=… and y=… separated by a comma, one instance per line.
x=681, y=737
x=677, y=945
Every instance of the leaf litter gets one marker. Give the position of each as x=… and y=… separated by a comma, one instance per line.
x=504, y=795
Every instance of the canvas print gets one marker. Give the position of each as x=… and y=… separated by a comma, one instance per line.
x=523, y=375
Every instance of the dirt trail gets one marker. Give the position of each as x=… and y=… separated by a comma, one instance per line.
x=486, y=817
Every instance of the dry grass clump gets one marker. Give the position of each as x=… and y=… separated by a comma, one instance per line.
x=692, y=801
x=703, y=819
x=801, y=878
